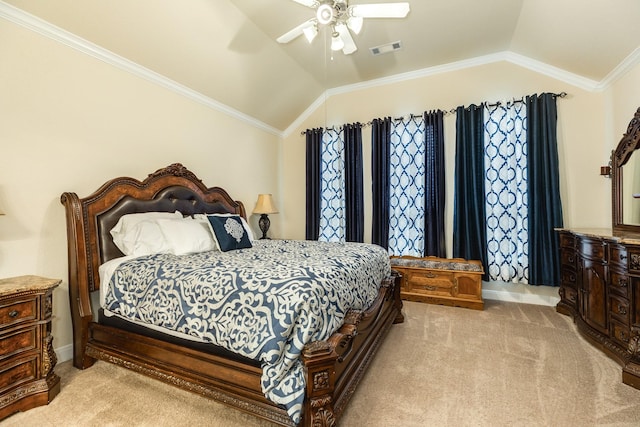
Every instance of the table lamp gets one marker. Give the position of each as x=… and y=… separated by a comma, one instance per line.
x=264, y=206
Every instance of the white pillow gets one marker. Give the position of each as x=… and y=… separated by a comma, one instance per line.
x=186, y=236
x=144, y=238
x=128, y=232
x=203, y=218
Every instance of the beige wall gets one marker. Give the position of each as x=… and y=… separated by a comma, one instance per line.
x=583, y=139
x=69, y=122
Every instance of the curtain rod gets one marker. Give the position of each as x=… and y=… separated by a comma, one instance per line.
x=451, y=111
x=513, y=101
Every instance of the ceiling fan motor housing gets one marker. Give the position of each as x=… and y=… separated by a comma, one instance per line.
x=331, y=12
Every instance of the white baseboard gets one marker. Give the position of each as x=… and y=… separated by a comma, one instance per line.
x=525, y=294
x=64, y=353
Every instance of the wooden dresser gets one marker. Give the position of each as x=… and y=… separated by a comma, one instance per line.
x=27, y=359
x=600, y=288
x=455, y=282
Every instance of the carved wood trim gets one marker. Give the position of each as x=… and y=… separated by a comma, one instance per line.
x=630, y=140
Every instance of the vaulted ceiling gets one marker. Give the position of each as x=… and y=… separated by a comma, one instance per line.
x=226, y=50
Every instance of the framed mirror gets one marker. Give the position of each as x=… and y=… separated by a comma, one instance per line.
x=625, y=174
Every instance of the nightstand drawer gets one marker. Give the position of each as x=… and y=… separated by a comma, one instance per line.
x=16, y=312
x=18, y=342
x=14, y=374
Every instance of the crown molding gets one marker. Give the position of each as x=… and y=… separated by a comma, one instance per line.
x=44, y=28
x=625, y=66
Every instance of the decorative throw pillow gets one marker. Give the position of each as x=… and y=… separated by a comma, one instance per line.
x=229, y=232
x=203, y=217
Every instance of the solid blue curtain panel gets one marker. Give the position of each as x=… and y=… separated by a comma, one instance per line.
x=380, y=146
x=469, y=220
x=545, y=206
x=312, y=169
x=434, y=240
x=354, y=197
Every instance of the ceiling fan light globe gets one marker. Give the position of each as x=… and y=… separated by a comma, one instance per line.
x=355, y=24
x=325, y=14
x=310, y=33
x=336, y=42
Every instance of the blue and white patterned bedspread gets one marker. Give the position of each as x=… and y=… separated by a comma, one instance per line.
x=265, y=303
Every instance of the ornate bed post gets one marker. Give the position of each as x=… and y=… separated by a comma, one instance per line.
x=319, y=359
x=396, y=278
x=79, y=298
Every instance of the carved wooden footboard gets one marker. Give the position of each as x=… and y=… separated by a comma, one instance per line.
x=333, y=367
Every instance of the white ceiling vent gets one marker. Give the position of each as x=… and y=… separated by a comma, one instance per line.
x=386, y=48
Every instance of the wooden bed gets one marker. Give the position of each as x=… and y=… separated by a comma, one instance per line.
x=333, y=368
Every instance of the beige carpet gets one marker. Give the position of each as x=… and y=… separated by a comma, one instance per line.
x=509, y=365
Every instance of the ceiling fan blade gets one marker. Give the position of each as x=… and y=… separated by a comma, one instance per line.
x=380, y=10
x=295, y=32
x=308, y=3
x=349, y=44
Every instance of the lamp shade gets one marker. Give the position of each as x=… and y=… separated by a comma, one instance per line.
x=265, y=205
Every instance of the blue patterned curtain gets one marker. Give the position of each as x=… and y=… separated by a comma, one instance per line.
x=506, y=189
x=332, y=198
x=406, y=181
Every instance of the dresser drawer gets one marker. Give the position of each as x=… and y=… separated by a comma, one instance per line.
x=568, y=259
x=620, y=333
x=18, y=372
x=18, y=342
x=619, y=309
x=619, y=283
x=567, y=240
x=618, y=256
x=431, y=283
x=18, y=311
x=570, y=294
x=569, y=277
x=592, y=248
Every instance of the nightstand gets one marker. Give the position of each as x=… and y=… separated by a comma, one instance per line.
x=27, y=358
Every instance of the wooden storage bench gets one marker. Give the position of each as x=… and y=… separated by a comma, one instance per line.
x=455, y=282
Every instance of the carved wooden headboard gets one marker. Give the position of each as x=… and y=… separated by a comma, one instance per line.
x=90, y=219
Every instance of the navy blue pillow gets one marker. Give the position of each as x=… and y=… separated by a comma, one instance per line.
x=229, y=232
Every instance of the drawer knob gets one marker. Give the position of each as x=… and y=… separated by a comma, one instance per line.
x=622, y=309
x=430, y=288
x=622, y=282
x=430, y=275
x=13, y=313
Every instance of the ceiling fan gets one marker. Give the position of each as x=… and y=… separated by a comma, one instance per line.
x=342, y=19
